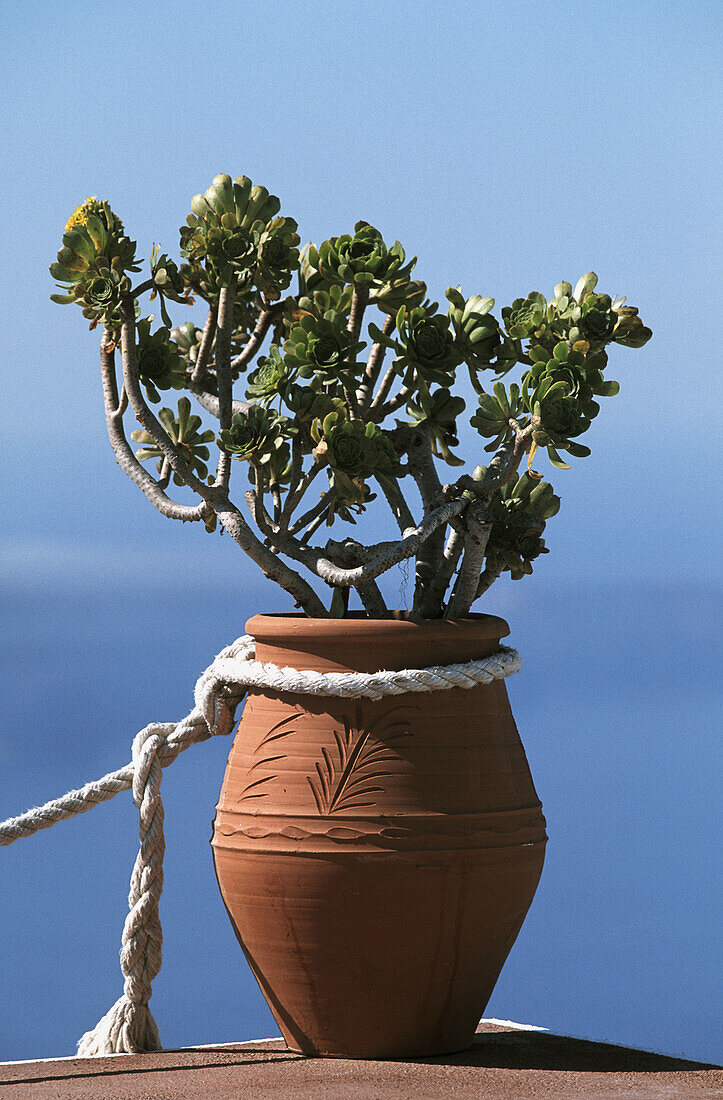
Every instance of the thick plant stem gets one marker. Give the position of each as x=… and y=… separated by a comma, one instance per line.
x=204, y=351
x=209, y=401
x=400, y=509
x=377, y=560
x=487, y=579
x=373, y=367
x=223, y=374
x=424, y=472
x=359, y=301
x=372, y=600
x=475, y=544
x=127, y=460
x=381, y=394
x=143, y=414
x=442, y=577
x=215, y=496
x=271, y=566
x=257, y=336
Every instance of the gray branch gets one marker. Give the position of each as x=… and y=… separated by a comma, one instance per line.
x=256, y=338
x=127, y=460
x=210, y=402
x=373, y=600
x=381, y=394
x=223, y=374
x=379, y=558
x=271, y=565
x=204, y=351
x=487, y=579
x=359, y=302
x=424, y=472
x=476, y=537
x=374, y=366
x=440, y=581
x=143, y=414
x=400, y=509
x=317, y=509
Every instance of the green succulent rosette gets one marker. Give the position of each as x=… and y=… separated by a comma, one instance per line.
x=438, y=412
x=359, y=259
x=321, y=348
x=160, y=364
x=425, y=347
x=272, y=378
x=476, y=332
x=234, y=232
x=307, y=404
x=278, y=257
x=187, y=339
x=495, y=412
x=260, y=437
x=326, y=302
x=92, y=263
x=518, y=512
x=353, y=451
x=168, y=282
x=525, y=315
x=397, y=291
x=629, y=329
x=560, y=390
x=583, y=318
x=183, y=430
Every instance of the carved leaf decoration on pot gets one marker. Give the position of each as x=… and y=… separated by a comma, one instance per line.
x=253, y=788
x=341, y=786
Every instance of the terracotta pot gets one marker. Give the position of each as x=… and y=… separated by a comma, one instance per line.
x=377, y=859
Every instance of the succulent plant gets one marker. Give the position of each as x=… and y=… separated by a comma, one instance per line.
x=354, y=451
x=326, y=302
x=316, y=409
x=518, y=513
x=525, y=315
x=233, y=231
x=272, y=378
x=629, y=329
x=439, y=411
x=476, y=332
x=160, y=366
x=425, y=347
x=183, y=431
x=187, y=339
x=358, y=259
x=93, y=262
x=307, y=404
x=495, y=413
x=396, y=291
x=323, y=349
x=258, y=436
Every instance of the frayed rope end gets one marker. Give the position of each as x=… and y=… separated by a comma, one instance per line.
x=127, y=1028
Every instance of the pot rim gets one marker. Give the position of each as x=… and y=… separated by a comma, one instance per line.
x=274, y=626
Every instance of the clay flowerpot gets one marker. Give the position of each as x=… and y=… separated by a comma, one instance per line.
x=377, y=858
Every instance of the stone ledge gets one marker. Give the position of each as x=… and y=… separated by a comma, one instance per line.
x=506, y=1062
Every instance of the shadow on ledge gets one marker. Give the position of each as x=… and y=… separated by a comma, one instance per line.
x=540, y=1050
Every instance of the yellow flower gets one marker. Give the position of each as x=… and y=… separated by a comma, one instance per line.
x=80, y=216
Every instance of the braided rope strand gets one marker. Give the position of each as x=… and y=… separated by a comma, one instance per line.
x=128, y=1027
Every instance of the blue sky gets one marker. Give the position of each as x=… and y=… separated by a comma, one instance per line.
x=509, y=145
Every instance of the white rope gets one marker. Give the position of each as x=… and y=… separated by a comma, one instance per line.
x=129, y=1026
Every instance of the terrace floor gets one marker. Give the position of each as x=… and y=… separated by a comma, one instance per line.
x=506, y=1062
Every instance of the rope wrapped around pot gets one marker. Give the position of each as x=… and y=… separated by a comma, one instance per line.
x=128, y=1027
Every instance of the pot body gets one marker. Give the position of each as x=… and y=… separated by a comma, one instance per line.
x=377, y=858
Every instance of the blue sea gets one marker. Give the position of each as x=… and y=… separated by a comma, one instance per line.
x=618, y=706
